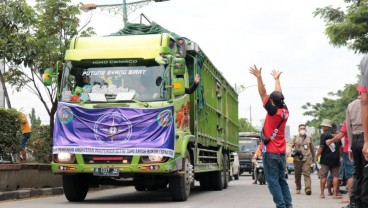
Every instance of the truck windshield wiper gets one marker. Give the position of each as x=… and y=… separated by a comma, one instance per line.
x=144, y=104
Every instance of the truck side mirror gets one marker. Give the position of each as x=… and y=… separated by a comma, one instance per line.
x=161, y=60
x=182, y=51
x=47, y=77
x=178, y=66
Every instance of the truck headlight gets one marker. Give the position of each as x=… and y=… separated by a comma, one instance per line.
x=155, y=158
x=64, y=157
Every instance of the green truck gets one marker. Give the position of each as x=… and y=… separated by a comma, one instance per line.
x=125, y=115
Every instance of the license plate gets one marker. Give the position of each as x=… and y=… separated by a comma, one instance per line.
x=106, y=171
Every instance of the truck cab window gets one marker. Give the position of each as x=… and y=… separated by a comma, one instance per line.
x=79, y=82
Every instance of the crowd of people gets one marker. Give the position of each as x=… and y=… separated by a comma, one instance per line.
x=339, y=154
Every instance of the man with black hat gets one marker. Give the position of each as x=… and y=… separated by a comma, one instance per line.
x=330, y=159
x=274, y=139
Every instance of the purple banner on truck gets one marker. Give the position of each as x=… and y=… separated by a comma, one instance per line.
x=114, y=130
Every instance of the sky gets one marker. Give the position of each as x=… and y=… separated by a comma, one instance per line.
x=236, y=34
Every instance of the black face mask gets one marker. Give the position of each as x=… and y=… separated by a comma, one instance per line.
x=278, y=103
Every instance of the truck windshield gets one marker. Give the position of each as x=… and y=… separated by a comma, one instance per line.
x=247, y=145
x=112, y=83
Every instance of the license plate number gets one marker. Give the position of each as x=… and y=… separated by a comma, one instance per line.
x=106, y=171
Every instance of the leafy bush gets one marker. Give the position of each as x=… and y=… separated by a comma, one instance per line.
x=40, y=144
x=9, y=131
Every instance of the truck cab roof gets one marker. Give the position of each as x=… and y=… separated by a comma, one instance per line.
x=249, y=135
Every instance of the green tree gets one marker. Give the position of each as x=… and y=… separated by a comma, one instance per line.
x=347, y=28
x=33, y=39
x=245, y=126
x=333, y=109
x=34, y=120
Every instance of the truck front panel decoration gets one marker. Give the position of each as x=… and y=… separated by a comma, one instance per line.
x=114, y=130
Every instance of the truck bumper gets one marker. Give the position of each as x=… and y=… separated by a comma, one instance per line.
x=246, y=166
x=171, y=165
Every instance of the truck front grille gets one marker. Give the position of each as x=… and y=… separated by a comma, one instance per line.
x=107, y=159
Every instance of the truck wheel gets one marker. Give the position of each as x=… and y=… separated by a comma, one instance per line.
x=75, y=187
x=179, y=186
x=204, y=181
x=226, y=171
x=139, y=187
x=158, y=186
x=217, y=180
x=236, y=176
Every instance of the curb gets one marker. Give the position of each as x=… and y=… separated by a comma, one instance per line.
x=27, y=193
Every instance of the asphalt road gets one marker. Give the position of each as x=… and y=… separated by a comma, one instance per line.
x=241, y=193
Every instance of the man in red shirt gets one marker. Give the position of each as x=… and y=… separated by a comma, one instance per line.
x=275, y=145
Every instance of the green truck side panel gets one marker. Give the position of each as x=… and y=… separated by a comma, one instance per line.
x=218, y=121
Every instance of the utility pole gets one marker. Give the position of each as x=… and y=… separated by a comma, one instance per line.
x=125, y=15
x=250, y=115
x=123, y=9
x=239, y=89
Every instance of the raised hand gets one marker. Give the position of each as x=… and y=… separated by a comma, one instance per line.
x=255, y=71
x=276, y=74
x=197, y=78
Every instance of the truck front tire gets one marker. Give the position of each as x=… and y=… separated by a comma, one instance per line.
x=236, y=176
x=75, y=187
x=205, y=181
x=179, y=185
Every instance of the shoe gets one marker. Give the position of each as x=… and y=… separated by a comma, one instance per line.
x=343, y=192
x=308, y=192
x=297, y=191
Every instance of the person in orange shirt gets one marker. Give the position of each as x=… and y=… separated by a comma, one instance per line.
x=257, y=154
x=26, y=132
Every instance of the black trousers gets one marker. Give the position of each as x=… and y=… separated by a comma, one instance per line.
x=360, y=178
